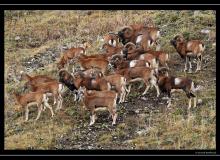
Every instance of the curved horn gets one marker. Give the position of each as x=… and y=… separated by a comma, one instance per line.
x=129, y=27
x=163, y=69
x=112, y=33
x=180, y=37
x=117, y=56
x=129, y=43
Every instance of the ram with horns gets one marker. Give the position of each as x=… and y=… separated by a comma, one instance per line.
x=139, y=34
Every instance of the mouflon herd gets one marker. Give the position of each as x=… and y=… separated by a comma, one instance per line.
x=105, y=78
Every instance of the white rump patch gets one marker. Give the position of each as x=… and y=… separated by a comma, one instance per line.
x=142, y=57
x=177, y=81
x=139, y=39
x=133, y=63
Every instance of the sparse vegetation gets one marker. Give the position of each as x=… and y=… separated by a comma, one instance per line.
x=142, y=123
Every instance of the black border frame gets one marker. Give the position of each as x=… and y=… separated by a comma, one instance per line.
x=105, y=152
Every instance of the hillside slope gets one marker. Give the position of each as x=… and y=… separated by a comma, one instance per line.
x=34, y=40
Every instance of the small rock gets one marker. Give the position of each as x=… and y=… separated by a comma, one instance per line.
x=142, y=115
x=165, y=98
x=205, y=31
x=144, y=98
x=128, y=141
x=90, y=147
x=17, y=38
x=199, y=101
x=65, y=47
x=137, y=111
x=142, y=132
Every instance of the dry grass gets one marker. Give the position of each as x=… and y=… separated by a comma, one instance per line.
x=38, y=31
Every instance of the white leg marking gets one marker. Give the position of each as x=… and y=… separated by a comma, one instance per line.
x=190, y=102
x=169, y=103
x=147, y=88
x=54, y=101
x=154, y=83
x=114, y=119
x=26, y=113
x=185, y=69
x=195, y=100
x=92, y=119
x=190, y=66
x=39, y=112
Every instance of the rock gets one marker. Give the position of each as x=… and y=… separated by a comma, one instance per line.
x=199, y=101
x=142, y=132
x=10, y=113
x=144, y=98
x=65, y=47
x=205, y=31
x=137, y=111
x=128, y=141
x=165, y=98
x=77, y=146
x=41, y=59
x=17, y=38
